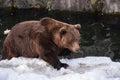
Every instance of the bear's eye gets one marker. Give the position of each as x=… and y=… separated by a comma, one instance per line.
x=63, y=31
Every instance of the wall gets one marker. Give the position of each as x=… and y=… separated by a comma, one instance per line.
x=107, y=6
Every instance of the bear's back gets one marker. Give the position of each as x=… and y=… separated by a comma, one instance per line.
x=24, y=27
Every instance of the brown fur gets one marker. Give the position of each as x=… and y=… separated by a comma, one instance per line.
x=44, y=39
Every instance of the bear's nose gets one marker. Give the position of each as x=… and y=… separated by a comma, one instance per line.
x=77, y=50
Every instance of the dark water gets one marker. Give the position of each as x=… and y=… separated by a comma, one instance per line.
x=100, y=32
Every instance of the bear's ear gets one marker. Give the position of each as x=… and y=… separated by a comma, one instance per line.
x=63, y=31
x=46, y=21
x=77, y=26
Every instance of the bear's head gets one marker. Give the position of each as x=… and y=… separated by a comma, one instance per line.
x=62, y=34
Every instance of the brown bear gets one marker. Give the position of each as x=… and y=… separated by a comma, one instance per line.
x=45, y=39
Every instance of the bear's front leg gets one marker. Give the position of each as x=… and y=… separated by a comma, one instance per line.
x=54, y=61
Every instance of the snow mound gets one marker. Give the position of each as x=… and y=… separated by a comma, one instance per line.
x=89, y=68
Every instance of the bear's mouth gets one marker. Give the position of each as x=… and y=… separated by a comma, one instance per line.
x=75, y=51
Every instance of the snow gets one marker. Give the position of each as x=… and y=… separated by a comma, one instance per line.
x=88, y=68
x=6, y=31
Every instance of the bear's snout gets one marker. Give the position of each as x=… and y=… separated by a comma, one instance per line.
x=75, y=47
